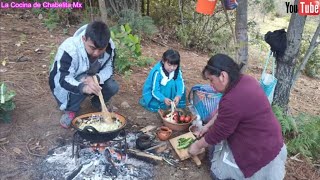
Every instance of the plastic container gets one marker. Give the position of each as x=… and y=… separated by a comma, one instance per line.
x=206, y=6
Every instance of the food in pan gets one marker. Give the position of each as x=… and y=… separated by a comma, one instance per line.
x=97, y=122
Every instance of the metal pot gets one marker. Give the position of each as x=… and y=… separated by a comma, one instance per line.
x=89, y=133
x=143, y=142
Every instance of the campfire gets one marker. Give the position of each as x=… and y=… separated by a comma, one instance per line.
x=124, y=156
x=103, y=160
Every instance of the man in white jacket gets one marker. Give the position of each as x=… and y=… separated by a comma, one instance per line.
x=90, y=51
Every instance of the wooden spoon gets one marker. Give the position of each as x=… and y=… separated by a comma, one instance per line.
x=106, y=114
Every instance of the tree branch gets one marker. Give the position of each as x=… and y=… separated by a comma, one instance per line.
x=313, y=45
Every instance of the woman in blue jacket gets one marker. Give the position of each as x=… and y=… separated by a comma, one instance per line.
x=164, y=84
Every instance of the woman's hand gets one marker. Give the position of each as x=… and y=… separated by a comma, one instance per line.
x=176, y=100
x=203, y=131
x=196, y=147
x=167, y=101
x=206, y=127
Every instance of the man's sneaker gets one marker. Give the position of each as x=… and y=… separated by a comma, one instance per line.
x=66, y=119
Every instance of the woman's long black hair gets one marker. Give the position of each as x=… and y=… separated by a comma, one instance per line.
x=222, y=62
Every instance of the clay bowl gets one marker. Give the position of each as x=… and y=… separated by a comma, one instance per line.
x=176, y=126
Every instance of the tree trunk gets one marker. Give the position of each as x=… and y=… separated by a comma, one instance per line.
x=286, y=64
x=142, y=8
x=242, y=31
x=313, y=45
x=181, y=12
x=148, y=7
x=116, y=6
x=103, y=11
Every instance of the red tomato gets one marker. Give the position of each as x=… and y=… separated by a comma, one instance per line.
x=175, y=118
x=182, y=118
x=175, y=113
x=187, y=119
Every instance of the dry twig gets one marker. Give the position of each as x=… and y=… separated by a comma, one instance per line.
x=34, y=154
x=295, y=158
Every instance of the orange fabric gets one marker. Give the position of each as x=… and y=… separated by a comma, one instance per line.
x=206, y=6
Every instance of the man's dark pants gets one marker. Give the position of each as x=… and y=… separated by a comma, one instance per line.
x=109, y=89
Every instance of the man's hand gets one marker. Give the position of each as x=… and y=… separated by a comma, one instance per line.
x=90, y=87
x=176, y=100
x=167, y=101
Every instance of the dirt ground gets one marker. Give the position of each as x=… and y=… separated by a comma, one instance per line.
x=26, y=46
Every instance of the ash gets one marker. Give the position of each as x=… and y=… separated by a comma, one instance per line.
x=92, y=165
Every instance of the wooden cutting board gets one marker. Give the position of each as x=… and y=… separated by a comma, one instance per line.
x=183, y=153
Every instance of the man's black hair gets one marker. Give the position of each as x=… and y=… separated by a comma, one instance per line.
x=99, y=34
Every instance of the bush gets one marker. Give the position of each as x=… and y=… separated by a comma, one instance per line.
x=141, y=25
x=307, y=140
x=209, y=34
x=301, y=133
x=287, y=122
x=128, y=49
x=312, y=68
x=6, y=103
x=53, y=18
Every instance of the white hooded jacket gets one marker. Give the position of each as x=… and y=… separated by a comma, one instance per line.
x=72, y=62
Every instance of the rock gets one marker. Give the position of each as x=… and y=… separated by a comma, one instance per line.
x=125, y=105
x=114, y=108
x=40, y=16
x=23, y=59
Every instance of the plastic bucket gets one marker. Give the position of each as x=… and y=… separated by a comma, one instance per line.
x=206, y=6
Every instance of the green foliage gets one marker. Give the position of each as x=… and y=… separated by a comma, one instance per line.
x=268, y=6
x=52, y=19
x=206, y=33
x=166, y=15
x=128, y=49
x=287, y=123
x=301, y=133
x=6, y=102
x=141, y=25
x=197, y=31
x=308, y=138
x=312, y=67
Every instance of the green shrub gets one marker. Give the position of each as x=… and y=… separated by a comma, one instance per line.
x=307, y=140
x=128, y=49
x=53, y=18
x=141, y=25
x=301, y=133
x=6, y=103
x=287, y=122
x=206, y=33
x=312, y=68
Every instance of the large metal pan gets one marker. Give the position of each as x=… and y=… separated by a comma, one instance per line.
x=89, y=133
